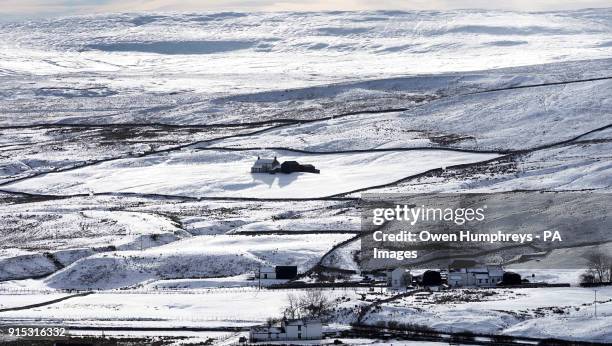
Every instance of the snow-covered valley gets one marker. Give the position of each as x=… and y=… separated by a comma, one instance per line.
x=126, y=143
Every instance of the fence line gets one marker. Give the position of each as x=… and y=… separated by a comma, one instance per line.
x=83, y=319
x=211, y=290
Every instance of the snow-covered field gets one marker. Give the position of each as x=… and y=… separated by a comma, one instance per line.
x=201, y=308
x=227, y=174
x=12, y=300
x=126, y=142
x=564, y=313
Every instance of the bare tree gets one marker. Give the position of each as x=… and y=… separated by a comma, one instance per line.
x=601, y=265
x=588, y=277
x=314, y=303
x=292, y=310
x=310, y=304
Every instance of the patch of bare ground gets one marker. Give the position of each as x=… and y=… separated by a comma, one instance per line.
x=449, y=139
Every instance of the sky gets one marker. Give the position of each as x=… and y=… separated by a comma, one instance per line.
x=44, y=8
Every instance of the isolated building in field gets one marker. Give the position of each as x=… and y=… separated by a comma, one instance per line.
x=287, y=330
x=272, y=166
x=265, y=165
x=278, y=272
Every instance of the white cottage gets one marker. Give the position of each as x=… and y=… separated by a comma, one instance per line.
x=265, y=165
x=288, y=330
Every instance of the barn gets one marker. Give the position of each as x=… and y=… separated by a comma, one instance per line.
x=294, y=166
x=286, y=272
x=278, y=272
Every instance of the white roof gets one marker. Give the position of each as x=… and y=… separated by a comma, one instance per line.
x=260, y=162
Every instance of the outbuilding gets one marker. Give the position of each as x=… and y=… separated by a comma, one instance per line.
x=278, y=272
x=294, y=166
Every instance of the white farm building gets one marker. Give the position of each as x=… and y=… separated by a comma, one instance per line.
x=265, y=165
x=484, y=276
x=287, y=330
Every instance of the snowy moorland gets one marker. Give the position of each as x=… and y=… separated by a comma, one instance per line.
x=126, y=142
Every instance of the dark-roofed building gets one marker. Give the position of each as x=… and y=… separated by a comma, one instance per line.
x=278, y=272
x=294, y=166
x=286, y=272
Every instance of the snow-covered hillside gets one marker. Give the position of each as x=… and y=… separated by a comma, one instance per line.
x=126, y=142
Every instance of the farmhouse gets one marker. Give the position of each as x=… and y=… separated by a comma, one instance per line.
x=287, y=330
x=484, y=276
x=265, y=165
x=278, y=272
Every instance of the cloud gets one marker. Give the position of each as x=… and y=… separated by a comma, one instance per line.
x=15, y=8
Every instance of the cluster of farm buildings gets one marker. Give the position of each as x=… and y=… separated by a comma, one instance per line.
x=489, y=275
x=398, y=278
x=478, y=276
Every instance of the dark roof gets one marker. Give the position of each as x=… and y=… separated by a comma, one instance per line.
x=463, y=263
x=286, y=272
